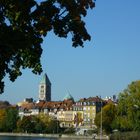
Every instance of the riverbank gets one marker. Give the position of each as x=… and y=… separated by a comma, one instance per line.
x=58, y=136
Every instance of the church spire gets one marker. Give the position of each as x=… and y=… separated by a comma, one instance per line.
x=45, y=80
x=45, y=88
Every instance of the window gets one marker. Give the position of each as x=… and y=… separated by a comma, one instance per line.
x=42, y=91
x=85, y=120
x=93, y=108
x=84, y=108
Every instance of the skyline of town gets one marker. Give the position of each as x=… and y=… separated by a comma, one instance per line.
x=44, y=93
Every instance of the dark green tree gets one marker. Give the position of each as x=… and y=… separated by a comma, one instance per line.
x=39, y=127
x=11, y=119
x=8, y=119
x=24, y=23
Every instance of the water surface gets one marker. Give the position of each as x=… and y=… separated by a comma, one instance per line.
x=25, y=138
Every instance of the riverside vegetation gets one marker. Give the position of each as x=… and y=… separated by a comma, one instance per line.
x=123, y=119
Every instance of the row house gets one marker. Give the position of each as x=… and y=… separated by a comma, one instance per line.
x=52, y=108
x=28, y=109
x=67, y=112
x=89, y=108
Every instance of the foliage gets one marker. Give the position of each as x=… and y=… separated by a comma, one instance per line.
x=128, y=110
x=2, y=119
x=24, y=23
x=125, y=136
x=42, y=123
x=26, y=124
x=11, y=119
x=126, y=115
x=39, y=125
x=51, y=124
x=108, y=115
x=8, y=119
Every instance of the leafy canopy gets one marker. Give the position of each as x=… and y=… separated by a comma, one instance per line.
x=108, y=116
x=24, y=23
x=128, y=109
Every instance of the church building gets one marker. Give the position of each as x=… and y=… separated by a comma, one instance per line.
x=45, y=89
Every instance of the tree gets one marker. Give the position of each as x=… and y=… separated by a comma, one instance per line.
x=2, y=119
x=128, y=110
x=8, y=119
x=50, y=123
x=108, y=116
x=11, y=119
x=39, y=125
x=26, y=124
x=24, y=23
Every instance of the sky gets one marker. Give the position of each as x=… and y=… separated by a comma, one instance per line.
x=104, y=67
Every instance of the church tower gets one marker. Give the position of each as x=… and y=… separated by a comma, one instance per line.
x=45, y=89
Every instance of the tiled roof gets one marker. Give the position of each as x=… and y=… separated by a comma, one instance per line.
x=94, y=99
x=40, y=104
x=29, y=106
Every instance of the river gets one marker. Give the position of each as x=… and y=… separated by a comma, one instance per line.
x=25, y=138
x=18, y=136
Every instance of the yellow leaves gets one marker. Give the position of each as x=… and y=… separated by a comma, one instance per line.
x=44, y=118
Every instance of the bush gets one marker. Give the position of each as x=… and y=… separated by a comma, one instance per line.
x=70, y=130
x=125, y=136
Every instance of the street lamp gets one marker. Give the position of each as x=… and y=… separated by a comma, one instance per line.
x=136, y=116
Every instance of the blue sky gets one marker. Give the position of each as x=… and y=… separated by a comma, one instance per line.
x=105, y=66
